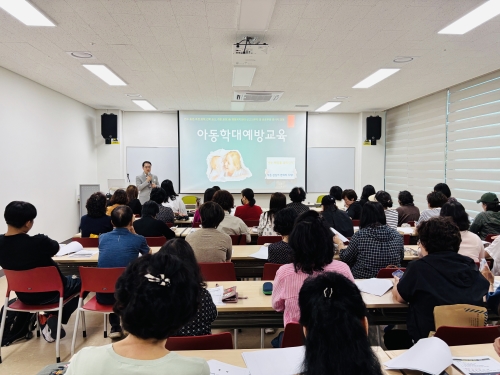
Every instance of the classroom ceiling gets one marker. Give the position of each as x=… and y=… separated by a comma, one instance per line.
x=177, y=53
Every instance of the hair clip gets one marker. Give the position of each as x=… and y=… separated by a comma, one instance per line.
x=326, y=290
x=160, y=280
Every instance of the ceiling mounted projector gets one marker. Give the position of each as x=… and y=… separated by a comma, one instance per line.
x=248, y=54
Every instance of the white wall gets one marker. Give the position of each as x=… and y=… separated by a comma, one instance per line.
x=47, y=150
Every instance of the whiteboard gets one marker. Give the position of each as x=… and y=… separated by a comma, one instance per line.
x=164, y=163
x=330, y=166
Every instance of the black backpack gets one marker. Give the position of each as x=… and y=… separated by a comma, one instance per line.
x=18, y=325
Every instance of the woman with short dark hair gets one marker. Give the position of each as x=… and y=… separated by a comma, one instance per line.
x=281, y=252
x=96, y=221
x=440, y=277
x=368, y=191
x=384, y=198
x=435, y=200
x=297, y=196
x=374, y=246
x=249, y=210
x=149, y=226
x=133, y=202
x=209, y=244
x=336, y=192
x=471, y=244
x=353, y=207
x=266, y=221
x=156, y=296
x=407, y=211
x=118, y=198
x=335, y=321
x=165, y=214
x=172, y=199
x=231, y=225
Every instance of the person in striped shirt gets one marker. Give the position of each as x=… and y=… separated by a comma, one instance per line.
x=384, y=198
x=435, y=200
x=312, y=245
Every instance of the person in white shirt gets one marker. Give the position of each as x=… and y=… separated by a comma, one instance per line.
x=435, y=200
x=173, y=200
x=231, y=225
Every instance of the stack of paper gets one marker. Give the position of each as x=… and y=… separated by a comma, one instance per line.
x=263, y=253
x=216, y=294
x=72, y=247
x=406, y=230
x=339, y=235
x=376, y=287
x=287, y=361
x=477, y=365
x=221, y=368
x=84, y=254
x=430, y=355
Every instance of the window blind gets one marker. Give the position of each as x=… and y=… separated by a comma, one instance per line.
x=473, y=157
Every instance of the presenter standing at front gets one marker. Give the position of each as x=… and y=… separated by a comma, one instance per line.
x=145, y=182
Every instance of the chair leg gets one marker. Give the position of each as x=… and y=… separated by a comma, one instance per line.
x=378, y=336
x=262, y=338
x=2, y=323
x=59, y=326
x=236, y=338
x=84, y=324
x=75, y=330
x=39, y=329
x=105, y=325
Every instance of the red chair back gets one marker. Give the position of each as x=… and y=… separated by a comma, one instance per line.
x=87, y=241
x=489, y=239
x=268, y=239
x=386, y=273
x=218, y=271
x=406, y=239
x=251, y=223
x=170, y=225
x=270, y=270
x=412, y=223
x=101, y=280
x=36, y=280
x=196, y=225
x=454, y=336
x=293, y=336
x=156, y=241
x=355, y=223
x=238, y=239
x=218, y=341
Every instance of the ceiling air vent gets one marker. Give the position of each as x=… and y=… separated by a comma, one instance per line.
x=257, y=96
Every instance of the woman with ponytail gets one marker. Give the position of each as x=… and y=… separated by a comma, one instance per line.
x=249, y=210
x=335, y=323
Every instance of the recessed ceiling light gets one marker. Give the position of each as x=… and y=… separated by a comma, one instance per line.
x=376, y=77
x=144, y=104
x=327, y=106
x=341, y=97
x=243, y=76
x=25, y=12
x=302, y=105
x=403, y=59
x=104, y=73
x=474, y=18
x=134, y=95
x=255, y=15
x=81, y=55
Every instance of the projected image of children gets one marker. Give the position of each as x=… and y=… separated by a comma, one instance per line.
x=223, y=165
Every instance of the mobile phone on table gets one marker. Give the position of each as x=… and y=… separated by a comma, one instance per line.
x=398, y=274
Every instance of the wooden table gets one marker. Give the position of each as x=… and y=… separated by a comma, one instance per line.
x=233, y=357
x=456, y=351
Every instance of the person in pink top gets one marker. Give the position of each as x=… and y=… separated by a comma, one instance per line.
x=207, y=197
x=312, y=244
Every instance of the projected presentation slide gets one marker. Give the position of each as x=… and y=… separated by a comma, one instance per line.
x=265, y=152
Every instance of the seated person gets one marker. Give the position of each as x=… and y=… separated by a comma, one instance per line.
x=230, y=225
x=440, y=277
x=207, y=197
x=335, y=218
x=118, y=198
x=493, y=296
x=281, y=252
x=435, y=201
x=368, y=191
x=249, y=210
x=117, y=249
x=353, y=207
x=334, y=317
x=471, y=245
x=165, y=214
x=20, y=252
x=172, y=200
x=297, y=196
x=155, y=296
x=445, y=190
x=384, y=198
x=407, y=211
x=266, y=221
x=149, y=226
x=487, y=222
x=209, y=244
x=494, y=251
x=133, y=202
x=374, y=246
x=312, y=244
x=336, y=192
x=96, y=221
x=201, y=324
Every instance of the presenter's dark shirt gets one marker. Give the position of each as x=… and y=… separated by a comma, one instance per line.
x=150, y=227
x=95, y=225
x=136, y=206
x=24, y=252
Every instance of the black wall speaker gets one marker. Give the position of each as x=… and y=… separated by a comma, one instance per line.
x=373, y=128
x=109, y=126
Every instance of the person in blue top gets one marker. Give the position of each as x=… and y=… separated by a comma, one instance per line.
x=117, y=249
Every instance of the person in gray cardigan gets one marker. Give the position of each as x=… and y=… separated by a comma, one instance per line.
x=146, y=182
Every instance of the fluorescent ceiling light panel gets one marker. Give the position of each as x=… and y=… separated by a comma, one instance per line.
x=327, y=106
x=474, y=18
x=243, y=76
x=255, y=15
x=376, y=77
x=25, y=12
x=144, y=104
x=237, y=106
x=104, y=73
